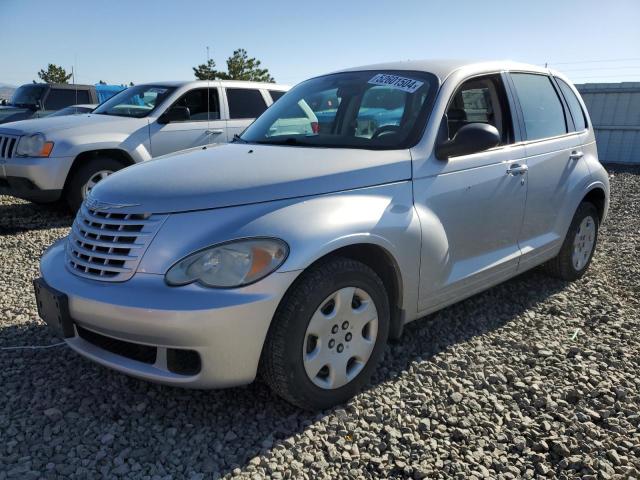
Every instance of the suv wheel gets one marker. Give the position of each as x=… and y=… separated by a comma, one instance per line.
x=579, y=245
x=86, y=177
x=327, y=335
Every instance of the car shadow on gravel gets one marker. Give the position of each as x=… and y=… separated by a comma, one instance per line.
x=25, y=216
x=217, y=431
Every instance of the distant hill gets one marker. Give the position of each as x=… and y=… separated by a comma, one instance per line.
x=6, y=90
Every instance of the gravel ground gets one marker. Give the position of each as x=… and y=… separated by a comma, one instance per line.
x=533, y=378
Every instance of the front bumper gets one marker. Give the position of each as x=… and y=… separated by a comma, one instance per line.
x=36, y=179
x=226, y=328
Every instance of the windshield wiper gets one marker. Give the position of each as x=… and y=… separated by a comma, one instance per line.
x=238, y=138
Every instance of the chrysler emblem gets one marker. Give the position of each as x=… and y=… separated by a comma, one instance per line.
x=95, y=204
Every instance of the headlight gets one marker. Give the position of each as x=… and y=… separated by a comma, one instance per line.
x=229, y=265
x=35, y=145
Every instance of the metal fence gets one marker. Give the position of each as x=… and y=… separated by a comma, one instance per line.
x=614, y=109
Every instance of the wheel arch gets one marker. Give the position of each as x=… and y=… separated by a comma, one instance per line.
x=381, y=261
x=115, y=153
x=597, y=196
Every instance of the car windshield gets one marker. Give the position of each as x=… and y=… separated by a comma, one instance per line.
x=28, y=95
x=365, y=109
x=136, y=102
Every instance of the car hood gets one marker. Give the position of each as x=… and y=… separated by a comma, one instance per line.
x=239, y=174
x=51, y=126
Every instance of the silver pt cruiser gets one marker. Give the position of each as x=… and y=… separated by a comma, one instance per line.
x=360, y=201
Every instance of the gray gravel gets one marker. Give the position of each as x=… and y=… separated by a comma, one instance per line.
x=534, y=378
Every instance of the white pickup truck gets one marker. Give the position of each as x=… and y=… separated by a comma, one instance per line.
x=48, y=159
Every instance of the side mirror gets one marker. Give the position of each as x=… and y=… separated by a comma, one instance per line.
x=175, y=114
x=472, y=138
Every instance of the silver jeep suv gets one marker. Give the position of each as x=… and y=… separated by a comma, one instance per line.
x=297, y=252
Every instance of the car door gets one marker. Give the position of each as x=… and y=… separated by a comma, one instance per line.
x=244, y=106
x=553, y=162
x=203, y=125
x=471, y=206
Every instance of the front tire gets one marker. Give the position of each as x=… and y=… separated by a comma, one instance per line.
x=327, y=335
x=86, y=177
x=579, y=245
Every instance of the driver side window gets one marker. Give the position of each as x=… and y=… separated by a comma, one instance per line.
x=481, y=100
x=200, y=108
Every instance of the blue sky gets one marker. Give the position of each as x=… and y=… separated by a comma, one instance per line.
x=148, y=40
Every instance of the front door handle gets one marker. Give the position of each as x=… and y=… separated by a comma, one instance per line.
x=517, y=169
x=216, y=131
x=576, y=155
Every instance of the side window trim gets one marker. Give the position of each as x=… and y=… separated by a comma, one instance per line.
x=525, y=140
x=266, y=97
x=557, y=81
x=568, y=116
x=517, y=119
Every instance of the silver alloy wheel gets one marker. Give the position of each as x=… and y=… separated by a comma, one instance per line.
x=340, y=338
x=583, y=243
x=92, y=182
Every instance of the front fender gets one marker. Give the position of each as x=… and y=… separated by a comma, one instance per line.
x=136, y=144
x=312, y=226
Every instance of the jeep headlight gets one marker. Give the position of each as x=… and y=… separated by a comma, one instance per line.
x=232, y=264
x=34, y=145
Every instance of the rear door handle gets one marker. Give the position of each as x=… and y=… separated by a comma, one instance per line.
x=576, y=155
x=517, y=169
x=216, y=131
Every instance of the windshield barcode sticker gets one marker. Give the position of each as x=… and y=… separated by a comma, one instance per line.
x=394, y=81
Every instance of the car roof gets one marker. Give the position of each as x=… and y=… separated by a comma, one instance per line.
x=442, y=68
x=222, y=83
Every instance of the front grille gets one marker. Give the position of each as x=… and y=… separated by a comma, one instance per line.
x=134, y=351
x=109, y=245
x=8, y=145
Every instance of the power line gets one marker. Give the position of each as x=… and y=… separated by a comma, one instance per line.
x=595, y=61
x=591, y=69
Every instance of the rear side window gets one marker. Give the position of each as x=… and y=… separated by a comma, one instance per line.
x=579, y=118
x=61, y=97
x=276, y=94
x=541, y=106
x=245, y=103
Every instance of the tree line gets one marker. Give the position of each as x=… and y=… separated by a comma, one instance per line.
x=239, y=67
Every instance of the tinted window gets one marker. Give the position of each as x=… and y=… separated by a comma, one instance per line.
x=200, y=105
x=579, y=119
x=276, y=94
x=541, y=106
x=481, y=100
x=59, y=98
x=27, y=95
x=245, y=103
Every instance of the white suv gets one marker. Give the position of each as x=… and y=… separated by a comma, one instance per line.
x=64, y=157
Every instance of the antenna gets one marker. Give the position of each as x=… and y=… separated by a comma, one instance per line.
x=73, y=75
x=208, y=92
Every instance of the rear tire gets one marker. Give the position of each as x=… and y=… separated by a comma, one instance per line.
x=348, y=336
x=579, y=245
x=85, y=177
